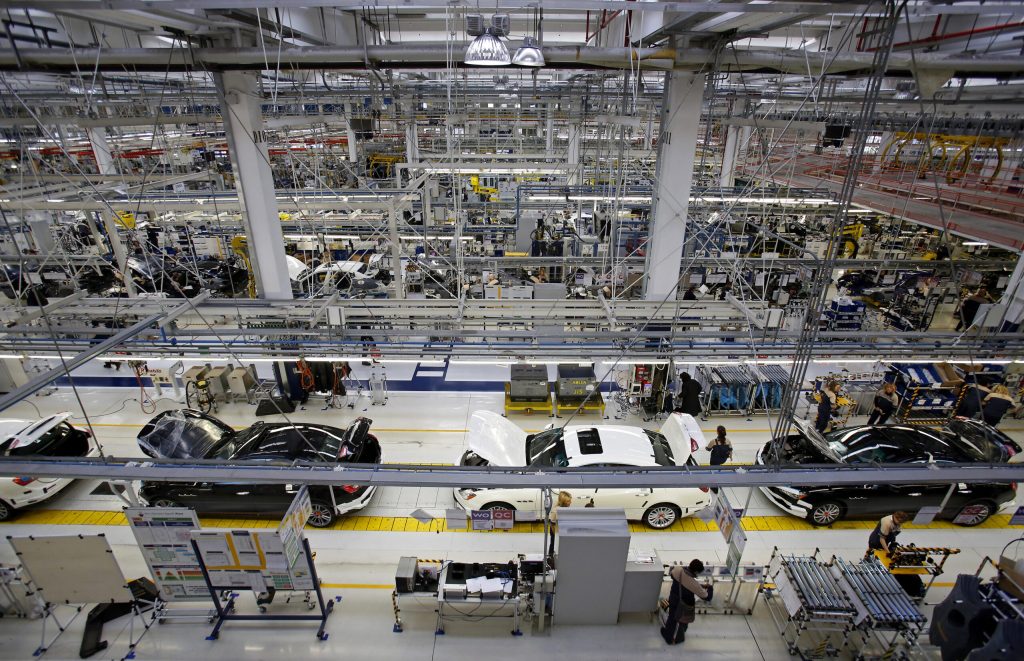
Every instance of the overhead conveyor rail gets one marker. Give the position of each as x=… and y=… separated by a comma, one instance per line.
x=493, y=329
x=415, y=475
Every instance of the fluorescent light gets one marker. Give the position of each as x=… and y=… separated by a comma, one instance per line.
x=829, y=361
x=974, y=243
x=54, y=199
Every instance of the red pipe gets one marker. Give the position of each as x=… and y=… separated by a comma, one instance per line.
x=958, y=35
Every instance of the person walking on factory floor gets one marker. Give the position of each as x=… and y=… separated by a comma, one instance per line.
x=682, y=600
x=883, y=537
x=720, y=448
x=886, y=401
x=969, y=307
x=689, y=395
x=826, y=406
x=996, y=404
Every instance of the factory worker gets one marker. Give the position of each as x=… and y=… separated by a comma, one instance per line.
x=883, y=537
x=682, y=600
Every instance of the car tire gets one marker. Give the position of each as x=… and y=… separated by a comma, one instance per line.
x=322, y=515
x=164, y=502
x=6, y=511
x=498, y=506
x=661, y=516
x=979, y=519
x=825, y=513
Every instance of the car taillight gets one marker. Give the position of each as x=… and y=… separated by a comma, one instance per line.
x=24, y=481
x=694, y=445
x=704, y=489
x=350, y=488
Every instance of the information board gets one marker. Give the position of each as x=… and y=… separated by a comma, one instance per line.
x=164, y=537
x=293, y=524
x=251, y=560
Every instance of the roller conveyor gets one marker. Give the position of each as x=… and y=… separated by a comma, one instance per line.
x=880, y=600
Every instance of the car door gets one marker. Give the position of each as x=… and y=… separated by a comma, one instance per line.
x=631, y=499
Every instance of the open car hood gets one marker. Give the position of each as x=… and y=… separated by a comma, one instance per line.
x=494, y=438
x=182, y=434
x=814, y=436
x=683, y=433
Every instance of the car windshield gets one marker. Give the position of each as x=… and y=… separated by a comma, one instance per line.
x=985, y=441
x=662, y=450
x=546, y=449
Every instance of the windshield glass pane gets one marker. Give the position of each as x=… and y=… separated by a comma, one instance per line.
x=546, y=449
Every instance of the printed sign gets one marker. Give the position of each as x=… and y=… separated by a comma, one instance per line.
x=503, y=519
x=293, y=525
x=482, y=519
x=164, y=537
x=1017, y=518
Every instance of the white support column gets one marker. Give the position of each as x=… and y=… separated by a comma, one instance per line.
x=727, y=178
x=243, y=125
x=549, y=131
x=680, y=122
x=397, y=276
x=105, y=165
x=412, y=145
x=350, y=135
x=572, y=159
x=1013, y=297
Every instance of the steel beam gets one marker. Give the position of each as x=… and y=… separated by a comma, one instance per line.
x=258, y=472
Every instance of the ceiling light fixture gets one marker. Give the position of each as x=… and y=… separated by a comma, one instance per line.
x=488, y=50
x=529, y=54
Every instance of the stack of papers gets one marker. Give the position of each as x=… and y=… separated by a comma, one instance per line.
x=489, y=587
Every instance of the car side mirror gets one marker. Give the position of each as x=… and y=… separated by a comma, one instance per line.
x=548, y=426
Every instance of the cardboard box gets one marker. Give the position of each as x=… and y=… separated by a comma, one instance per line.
x=950, y=377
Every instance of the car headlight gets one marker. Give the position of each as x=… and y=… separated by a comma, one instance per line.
x=468, y=494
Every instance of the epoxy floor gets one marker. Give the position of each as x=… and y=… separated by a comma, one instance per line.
x=359, y=566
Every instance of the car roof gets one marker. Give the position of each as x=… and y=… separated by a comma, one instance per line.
x=630, y=446
x=24, y=432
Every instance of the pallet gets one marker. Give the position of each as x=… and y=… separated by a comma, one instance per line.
x=526, y=407
x=580, y=405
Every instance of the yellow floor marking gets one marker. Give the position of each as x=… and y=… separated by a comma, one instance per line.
x=44, y=517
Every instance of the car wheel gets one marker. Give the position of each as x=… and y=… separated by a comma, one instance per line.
x=661, y=516
x=971, y=520
x=5, y=511
x=498, y=506
x=164, y=502
x=825, y=514
x=321, y=516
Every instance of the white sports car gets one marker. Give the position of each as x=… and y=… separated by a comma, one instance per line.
x=52, y=436
x=493, y=440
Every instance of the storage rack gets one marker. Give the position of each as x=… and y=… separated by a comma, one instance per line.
x=844, y=315
x=812, y=613
x=771, y=383
x=924, y=399
x=730, y=389
x=886, y=616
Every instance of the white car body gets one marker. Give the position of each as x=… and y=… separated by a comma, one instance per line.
x=22, y=434
x=501, y=443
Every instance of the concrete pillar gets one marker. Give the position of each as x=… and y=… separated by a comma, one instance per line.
x=549, y=131
x=680, y=122
x=105, y=165
x=572, y=158
x=727, y=178
x=243, y=124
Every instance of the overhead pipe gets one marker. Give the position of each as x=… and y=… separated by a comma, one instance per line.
x=435, y=56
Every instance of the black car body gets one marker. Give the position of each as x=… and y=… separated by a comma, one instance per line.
x=889, y=444
x=188, y=434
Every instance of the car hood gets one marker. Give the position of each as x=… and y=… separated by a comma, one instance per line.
x=814, y=436
x=496, y=439
x=182, y=434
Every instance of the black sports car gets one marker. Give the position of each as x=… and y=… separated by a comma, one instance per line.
x=188, y=434
x=969, y=504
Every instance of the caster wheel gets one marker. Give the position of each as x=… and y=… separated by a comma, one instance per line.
x=263, y=609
